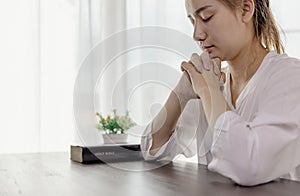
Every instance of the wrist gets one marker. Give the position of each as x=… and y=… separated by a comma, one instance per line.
x=214, y=105
x=184, y=89
x=204, y=93
x=183, y=95
x=181, y=98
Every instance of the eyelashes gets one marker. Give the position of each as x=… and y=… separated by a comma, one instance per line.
x=207, y=19
x=204, y=20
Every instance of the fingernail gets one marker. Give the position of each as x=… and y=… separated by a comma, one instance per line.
x=181, y=68
x=217, y=72
x=221, y=84
x=200, y=69
x=207, y=67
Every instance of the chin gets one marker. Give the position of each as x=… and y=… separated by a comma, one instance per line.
x=215, y=55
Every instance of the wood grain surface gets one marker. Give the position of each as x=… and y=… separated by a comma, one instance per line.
x=53, y=174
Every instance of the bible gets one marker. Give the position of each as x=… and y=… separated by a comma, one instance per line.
x=106, y=153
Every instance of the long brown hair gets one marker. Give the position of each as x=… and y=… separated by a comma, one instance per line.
x=264, y=23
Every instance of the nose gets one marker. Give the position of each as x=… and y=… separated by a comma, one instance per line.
x=199, y=32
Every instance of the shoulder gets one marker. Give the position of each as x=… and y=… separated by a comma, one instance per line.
x=279, y=68
x=280, y=75
x=282, y=62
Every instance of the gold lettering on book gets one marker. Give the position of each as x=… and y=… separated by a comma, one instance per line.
x=109, y=153
x=104, y=153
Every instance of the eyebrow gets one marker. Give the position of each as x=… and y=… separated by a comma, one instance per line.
x=201, y=9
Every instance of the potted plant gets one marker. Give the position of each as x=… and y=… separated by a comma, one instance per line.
x=114, y=127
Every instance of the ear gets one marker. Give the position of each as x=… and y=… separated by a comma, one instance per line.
x=248, y=8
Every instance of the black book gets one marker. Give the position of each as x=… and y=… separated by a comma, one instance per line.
x=106, y=153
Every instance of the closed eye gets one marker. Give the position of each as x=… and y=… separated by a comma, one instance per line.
x=207, y=19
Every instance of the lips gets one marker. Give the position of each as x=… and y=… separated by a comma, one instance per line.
x=208, y=48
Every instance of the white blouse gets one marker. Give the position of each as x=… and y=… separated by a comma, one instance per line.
x=256, y=142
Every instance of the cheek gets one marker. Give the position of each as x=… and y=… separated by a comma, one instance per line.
x=226, y=41
x=227, y=34
x=221, y=36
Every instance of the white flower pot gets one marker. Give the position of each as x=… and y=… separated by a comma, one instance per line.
x=115, y=138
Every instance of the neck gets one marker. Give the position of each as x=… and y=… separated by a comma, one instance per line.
x=245, y=64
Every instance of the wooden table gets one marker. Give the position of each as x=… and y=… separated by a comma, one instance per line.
x=54, y=174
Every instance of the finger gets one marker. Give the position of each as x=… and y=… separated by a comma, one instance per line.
x=186, y=75
x=198, y=70
x=216, y=70
x=181, y=65
x=217, y=66
x=190, y=69
x=187, y=67
x=223, y=77
x=197, y=62
x=217, y=62
x=222, y=81
x=206, y=60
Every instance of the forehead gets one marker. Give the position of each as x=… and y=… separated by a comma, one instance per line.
x=193, y=5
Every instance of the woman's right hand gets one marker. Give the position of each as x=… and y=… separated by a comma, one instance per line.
x=184, y=89
x=165, y=122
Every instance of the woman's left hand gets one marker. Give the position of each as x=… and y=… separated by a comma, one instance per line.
x=204, y=73
x=205, y=76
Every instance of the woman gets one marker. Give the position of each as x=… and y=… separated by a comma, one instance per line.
x=250, y=131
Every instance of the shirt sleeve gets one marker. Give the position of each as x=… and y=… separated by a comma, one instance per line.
x=182, y=141
x=265, y=148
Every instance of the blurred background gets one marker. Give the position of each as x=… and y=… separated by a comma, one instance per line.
x=44, y=42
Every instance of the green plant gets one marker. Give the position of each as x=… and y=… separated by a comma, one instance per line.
x=115, y=124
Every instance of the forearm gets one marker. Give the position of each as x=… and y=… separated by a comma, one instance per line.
x=214, y=104
x=165, y=122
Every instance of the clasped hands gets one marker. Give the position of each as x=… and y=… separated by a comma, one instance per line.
x=201, y=75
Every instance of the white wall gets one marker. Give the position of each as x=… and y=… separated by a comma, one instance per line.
x=39, y=63
x=287, y=15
